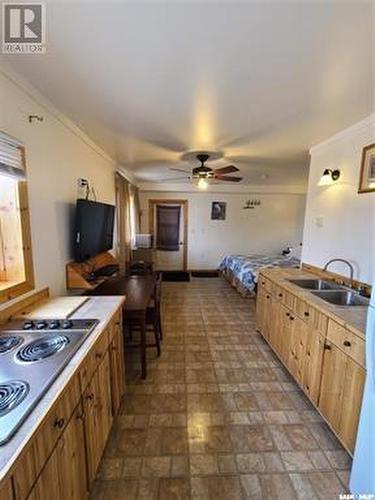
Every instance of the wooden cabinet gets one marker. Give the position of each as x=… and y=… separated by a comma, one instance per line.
x=6, y=491
x=312, y=365
x=47, y=485
x=332, y=385
x=264, y=307
x=61, y=459
x=98, y=415
x=64, y=475
x=116, y=350
x=341, y=393
x=351, y=403
x=72, y=460
x=325, y=358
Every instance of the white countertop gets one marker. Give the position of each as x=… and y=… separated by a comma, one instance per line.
x=101, y=308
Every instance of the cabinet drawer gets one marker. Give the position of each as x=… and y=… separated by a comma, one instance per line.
x=55, y=423
x=317, y=320
x=266, y=283
x=301, y=309
x=94, y=357
x=352, y=345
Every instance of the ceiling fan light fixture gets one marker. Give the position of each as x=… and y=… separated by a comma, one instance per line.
x=202, y=184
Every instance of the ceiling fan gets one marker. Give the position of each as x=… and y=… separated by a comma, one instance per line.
x=203, y=174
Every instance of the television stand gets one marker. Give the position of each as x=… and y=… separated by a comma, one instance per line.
x=91, y=273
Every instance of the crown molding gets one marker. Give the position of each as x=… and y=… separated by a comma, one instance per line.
x=343, y=135
x=220, y=188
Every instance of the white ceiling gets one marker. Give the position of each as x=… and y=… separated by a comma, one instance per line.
x=260, y=81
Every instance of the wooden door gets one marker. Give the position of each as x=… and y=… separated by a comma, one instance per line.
x=117, y=368
x=170, y=260
x=332, y=385
x=312, y=369
x=72, y=459
x=351, y=403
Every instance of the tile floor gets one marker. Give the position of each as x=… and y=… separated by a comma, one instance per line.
x=218, y=416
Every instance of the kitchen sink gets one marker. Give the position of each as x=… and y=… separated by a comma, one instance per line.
x=341, y=297
x=316, y=284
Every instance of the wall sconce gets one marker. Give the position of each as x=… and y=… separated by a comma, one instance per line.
x=329, y=177
x=251, y=204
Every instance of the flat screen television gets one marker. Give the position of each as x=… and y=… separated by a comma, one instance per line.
x=93, y=233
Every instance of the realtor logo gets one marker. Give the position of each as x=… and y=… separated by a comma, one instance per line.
x=24, y=28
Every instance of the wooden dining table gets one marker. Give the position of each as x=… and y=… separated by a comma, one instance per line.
x=138, y=291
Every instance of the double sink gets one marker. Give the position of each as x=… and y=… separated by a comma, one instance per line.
x=331, y=292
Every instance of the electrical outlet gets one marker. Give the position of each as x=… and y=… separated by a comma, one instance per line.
x=82, y=182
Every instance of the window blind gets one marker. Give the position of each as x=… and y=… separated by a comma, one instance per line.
x=11, y=157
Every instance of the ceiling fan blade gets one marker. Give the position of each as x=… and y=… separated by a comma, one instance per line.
x=230, y=169
x=227, y=178
x=179, y=170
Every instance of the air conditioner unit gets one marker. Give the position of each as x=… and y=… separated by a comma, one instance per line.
x=143, y=240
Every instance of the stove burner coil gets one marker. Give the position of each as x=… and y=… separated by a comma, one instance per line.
x=8, y=342
x=12, y=393
x=42, y=348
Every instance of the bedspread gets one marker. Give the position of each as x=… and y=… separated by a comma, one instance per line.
x=242, y=270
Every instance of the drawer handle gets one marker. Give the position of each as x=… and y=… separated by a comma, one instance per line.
x=267, y=296
x=280, y=294
x=59, y=423
x=347, y=343
x=288, y=314
x=327, y=347
x=307, y=314
x=291, y=318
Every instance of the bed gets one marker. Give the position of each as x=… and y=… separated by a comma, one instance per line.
x=242, y=270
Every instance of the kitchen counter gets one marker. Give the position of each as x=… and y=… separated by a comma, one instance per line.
x=101, y=308
x=351, y=317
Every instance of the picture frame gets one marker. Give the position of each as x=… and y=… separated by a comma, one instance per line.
x=218, y=210
x=367, y=175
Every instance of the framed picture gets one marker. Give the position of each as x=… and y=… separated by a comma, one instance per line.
x=218, y=210
x=367, y=177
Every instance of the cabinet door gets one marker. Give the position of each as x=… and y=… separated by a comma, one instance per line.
x=98, y=415
x=274, y=324
x=91, y=431
x=6, y=492
x=284, y=333
x=351, y=403
x=300, y=339
x=47, y=485
x=72, y=460
x=104, y=401
x=117, y=368
x=260, y=305
x=312, y=370
x=332, y=386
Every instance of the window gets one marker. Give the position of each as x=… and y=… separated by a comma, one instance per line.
x=16, y=268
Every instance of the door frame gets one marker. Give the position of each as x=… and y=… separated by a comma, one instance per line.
x=185, y=206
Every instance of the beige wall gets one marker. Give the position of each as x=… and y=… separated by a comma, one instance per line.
x=278, y=222
x=56, y=157
x=339, y=221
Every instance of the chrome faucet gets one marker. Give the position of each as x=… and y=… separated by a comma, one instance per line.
x=351, y=268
